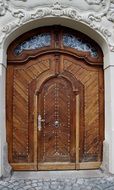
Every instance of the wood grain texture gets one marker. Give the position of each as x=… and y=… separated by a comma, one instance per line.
x=62, y=85
x=22, y=144
x=56, y=105
x=93, y=107
x=9, y=109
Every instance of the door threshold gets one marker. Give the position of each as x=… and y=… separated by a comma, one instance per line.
x=58, y=174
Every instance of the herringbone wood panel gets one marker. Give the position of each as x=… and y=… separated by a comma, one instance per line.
x=23, y=76
x=89, y=76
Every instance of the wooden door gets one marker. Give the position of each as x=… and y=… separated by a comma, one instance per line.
x=56, y=139
x=62, y=83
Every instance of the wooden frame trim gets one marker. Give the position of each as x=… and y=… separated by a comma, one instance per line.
x=35, y=130
x=56, y=50
x=77, y=128
x=60, y=166
x=101, y=110
x=88, y=165
x=9, y=110
x=26, y=166
x=56, y=166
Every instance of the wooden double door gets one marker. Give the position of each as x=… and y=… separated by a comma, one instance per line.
x=54, y=113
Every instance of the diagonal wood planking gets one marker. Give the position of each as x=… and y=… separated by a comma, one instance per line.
x=23, y=75
x=89, y=76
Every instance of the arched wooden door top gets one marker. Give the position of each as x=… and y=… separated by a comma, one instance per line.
x=74, y=83
x=54, y=39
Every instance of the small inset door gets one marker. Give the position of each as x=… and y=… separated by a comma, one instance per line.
x=56, y=125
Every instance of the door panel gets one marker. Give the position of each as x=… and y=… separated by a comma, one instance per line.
x=56, y=104
x=91, y=124
x=20, y=112
x=68, y=94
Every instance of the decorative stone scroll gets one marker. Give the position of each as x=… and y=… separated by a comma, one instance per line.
x=100, y=15
x=94, y=2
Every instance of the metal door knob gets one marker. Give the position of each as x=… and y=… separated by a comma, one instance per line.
x=56, y=123
x=40, y=120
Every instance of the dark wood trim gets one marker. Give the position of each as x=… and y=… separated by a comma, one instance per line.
x=9, y=110
x=31, y=127
x=77, y=129
x=35, y=131
x=101, y=113
x=43, y=51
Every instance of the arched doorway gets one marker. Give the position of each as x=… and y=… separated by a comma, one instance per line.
x=56, y=74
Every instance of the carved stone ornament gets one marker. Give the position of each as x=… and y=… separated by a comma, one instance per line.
x=110, y=14
x=91, y=18
x=94, y=2
x=21, y=0
x=3, y=7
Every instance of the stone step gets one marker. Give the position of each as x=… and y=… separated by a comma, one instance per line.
x=58, y=174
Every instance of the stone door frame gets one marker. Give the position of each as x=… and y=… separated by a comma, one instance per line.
x=108, y=154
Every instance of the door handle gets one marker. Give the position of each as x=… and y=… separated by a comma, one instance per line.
x=40, y=120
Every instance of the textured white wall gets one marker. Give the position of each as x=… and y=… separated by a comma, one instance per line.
x=2, y=115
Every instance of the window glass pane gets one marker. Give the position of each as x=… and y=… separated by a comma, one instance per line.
x=79, y=44
x=35, y=42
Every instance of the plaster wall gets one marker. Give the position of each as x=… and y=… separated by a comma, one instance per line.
x=2, y=115
x=93, y=17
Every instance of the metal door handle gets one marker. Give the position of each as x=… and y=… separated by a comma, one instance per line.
x=40, y=120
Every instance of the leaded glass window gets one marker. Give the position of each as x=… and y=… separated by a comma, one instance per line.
x=35, y=42
x=79, y=44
